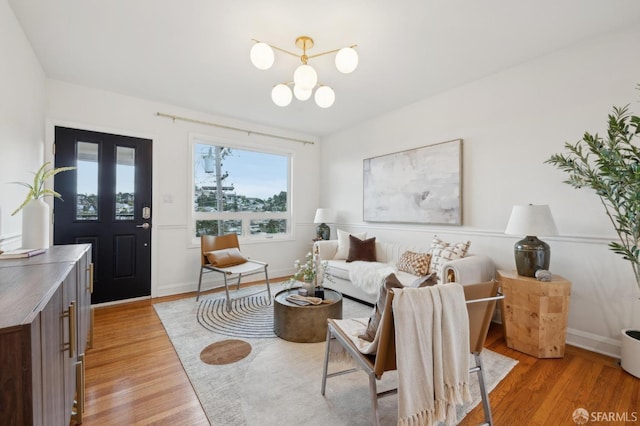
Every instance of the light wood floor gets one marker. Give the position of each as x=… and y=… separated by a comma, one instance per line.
x=134, y=377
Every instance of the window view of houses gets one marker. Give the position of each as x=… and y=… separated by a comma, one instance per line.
x=87, y=206
x=206, y=200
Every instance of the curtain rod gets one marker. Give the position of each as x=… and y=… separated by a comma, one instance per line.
x=248, y=132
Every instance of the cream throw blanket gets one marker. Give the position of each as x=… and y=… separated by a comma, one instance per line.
x=432, y=352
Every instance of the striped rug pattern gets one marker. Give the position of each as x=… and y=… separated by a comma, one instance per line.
x=250, y=317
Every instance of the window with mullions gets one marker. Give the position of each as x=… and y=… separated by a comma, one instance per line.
x=236, y=190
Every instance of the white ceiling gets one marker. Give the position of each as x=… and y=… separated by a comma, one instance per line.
x=195, y=53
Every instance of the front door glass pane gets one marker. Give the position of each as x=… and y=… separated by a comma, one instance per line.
x=87, y=181
x=125, y=182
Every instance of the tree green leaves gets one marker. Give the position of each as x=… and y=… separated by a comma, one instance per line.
x=610, y=166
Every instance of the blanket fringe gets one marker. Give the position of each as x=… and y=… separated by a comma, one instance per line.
x=458, y=394
x=424, y=417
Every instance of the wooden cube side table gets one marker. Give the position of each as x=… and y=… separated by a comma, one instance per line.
x=535, y=314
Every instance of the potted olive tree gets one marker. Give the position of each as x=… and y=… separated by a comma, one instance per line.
x=610, y=165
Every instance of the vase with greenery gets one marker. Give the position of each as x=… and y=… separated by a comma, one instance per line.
x=307, y=273
x=610, y=166
x=35, y=217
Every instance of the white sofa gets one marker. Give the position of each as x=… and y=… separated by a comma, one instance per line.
x=467, y=270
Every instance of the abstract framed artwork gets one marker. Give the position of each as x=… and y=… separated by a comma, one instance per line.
x=421, y=185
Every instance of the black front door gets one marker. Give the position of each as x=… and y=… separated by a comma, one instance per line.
x=106, y=202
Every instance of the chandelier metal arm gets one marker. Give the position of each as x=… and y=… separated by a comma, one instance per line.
x=330, y=52
x=304, y=51
x=278, y=48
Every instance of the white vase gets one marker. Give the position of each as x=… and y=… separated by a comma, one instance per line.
x=35, y=225
x=310, y=287
x=630, y=353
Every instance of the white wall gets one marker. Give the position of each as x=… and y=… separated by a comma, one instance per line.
x=510, y=124
x=175, y=261
x=22, y=100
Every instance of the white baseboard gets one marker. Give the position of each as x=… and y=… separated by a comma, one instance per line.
x=594, y=343
x=209, y=283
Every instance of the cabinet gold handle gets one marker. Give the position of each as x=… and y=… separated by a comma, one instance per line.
x=91, y=278
x=72, y=329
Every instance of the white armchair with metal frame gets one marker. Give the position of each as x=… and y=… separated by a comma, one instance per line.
x=222, y=254
x=480, y=300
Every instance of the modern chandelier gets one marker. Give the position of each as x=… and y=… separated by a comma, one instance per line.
x=305, y=77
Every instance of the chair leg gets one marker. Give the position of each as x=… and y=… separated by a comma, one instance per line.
x=266, y=278
x=325, y=369
x=238, y=282
x=488, y=418
x=226, y=290
x=374, y=398
x=199, y=284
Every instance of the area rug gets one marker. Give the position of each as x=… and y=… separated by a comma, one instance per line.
x=278, y=383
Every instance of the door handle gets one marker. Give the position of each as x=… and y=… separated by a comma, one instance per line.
x=144, y=226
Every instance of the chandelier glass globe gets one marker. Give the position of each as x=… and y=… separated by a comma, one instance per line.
x=281, y=95
x=301, y=94
x=325, y=96
x=262, y=56
x=347, y=60
x=305, y=77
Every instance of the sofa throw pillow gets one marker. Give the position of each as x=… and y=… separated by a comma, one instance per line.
x=363, y=250
x=225, y=257
x=442, y=252
x=374, y=320
x=343, y=243
x=414, y=263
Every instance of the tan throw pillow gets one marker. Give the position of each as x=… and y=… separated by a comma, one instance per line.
x=225, y=257
x=414, y=263
x=442, y=252
x=343, y=243
x=363, y=250
x=374, y=320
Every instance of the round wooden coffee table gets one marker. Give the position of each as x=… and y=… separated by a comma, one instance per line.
x=304, y=324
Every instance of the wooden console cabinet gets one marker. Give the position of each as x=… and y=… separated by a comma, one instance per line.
x=45, y=321
x=535, y=313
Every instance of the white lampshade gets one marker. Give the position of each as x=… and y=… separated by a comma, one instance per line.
x=325, y=96
x=301, y=94
x=305, y=77
x=531, y=220
x=262, y=56
x=346, y=60
x=281, y=95
x=325, y=216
